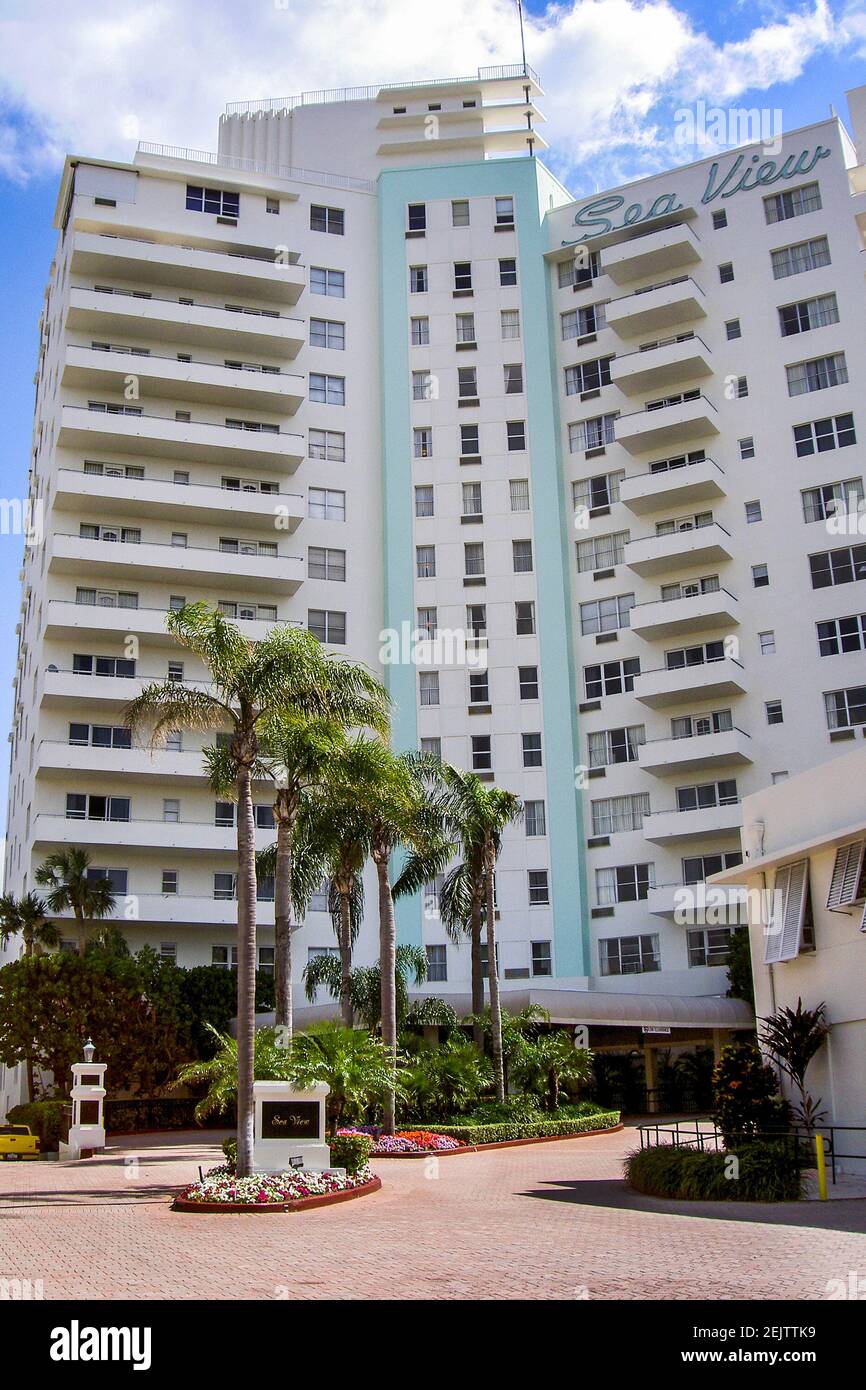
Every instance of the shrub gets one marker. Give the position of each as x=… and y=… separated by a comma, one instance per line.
x=514, y=1109
x=44, y=1118
x=444, y=1079
x=534, y=1129
x=768, y=1172
x=746, y=1100
x=350, y=1151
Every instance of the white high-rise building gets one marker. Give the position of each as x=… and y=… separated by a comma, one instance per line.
x=371, y=369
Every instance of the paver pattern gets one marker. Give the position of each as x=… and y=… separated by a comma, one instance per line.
x=547, y=1221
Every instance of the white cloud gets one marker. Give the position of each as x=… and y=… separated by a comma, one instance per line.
x=72, y=79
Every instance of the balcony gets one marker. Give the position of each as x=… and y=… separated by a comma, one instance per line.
x=252, y=271
x=127, y=498
x=60, y=759
x=673, y=487
x=673, y=686
x=651, y=253
x=706, y=823
x=673, y=900
x=668, y=362
x=659, y=306
x=243, y=332
x=662, y=756
x=159, y=436
x=65, y=619
x=145, y=560
x=91, y=369
x=201, y=836
x=693, y=613
x=654, y=554
x=176, y=909
x=666, y=425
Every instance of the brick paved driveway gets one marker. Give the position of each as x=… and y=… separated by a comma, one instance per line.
x=543, y=1221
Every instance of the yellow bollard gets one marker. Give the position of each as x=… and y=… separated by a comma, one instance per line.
x=822, y=1169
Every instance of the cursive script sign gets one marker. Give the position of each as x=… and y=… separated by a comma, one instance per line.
x=290, y=1119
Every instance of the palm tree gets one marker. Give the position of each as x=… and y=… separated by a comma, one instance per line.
x=341, y=834
x=365, y=984
x=70, y=889
x=27, y=916
x=251, y=685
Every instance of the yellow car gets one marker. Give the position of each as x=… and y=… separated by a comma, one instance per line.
x=17, y=1141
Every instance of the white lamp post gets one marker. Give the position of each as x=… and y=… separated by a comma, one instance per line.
x=87, y=1131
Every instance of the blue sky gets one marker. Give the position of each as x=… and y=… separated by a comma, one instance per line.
x=91, y=80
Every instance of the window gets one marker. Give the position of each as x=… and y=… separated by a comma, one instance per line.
x=600, y=491
x=792, y=203
x=226, y=956
x=171, y=809
x=521, y=554
x=746, y=447
x=581, y=270
x=428, y=687
x=720, y=220
x=726, y=273
x=817, y=374
x=846, y=884
x=224, y=813
x=605, y=614
x=610, y=678
x=601, y=552
x=535, y=820
x=420, y=332
x=518, y=489
x=733, y=330
x=437, y=964
x=539, y=893
x=326, y=504
x=417, y=217
x=698, y=725
x=629, y=955
x=842, y=566
x=845, y=708
x=775, y=714
x=587, y=376
x=609, y=746
x=531, y=744
x=424, y=500
x=422, y=386
x=508, y=271
x=786, y=931
x=591, y=434
x=476, y=619
x=709, y=945
x=819, y=436
x=331, y=220
x=422, y=443
x=84, y=665
x=272, y=205
x=839, y=635
x=460, y=213
x=473, y=559
x=327, y=333
x=541, y=958
x=330, y=282
x=833, y=499
x=425, y=561
x=169, y=881
x=323, y=563
x=707, y=794
x=327, y=444
x=462, y=276
x=513, y=374
x=760, y=577
x=581, y=323
x=467, y=383
x=418, y=279
x=471, y=493
x=709, y=584
x=105, y=808
x=524, y=616
x=808, y=314
x=479, y=688
x=805, y=255
x=515, y=431
x=767, y=643
x=482, y=754
x=327, y=626
x=432, y=746
x=753, y=512
x=469, y=445
x=505, y=212
x=327, y=390
x=527, y=678
x=100, y=735
x=428, y=621
x=509, y=320
x=219, y=201
x=615, y=813
x=465, y=326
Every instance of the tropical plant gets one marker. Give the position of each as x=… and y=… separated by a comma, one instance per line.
x=71, y=888
x=746, y=1100
x=26, y=916
x=357, y=1067
x=792, y=1037
x=220, y=1072
x=442, y=1080
x=251, y=685
x=515, y=1028
x=365, y=983
x=545, y=1064
x=740, y=982
x=340, y=831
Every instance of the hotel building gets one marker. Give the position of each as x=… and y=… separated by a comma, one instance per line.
x=372, y=369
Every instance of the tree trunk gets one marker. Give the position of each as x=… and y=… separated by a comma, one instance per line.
x=475, y=915
x=387, y=970
x=283, y=924
x=31, y=1085
x=79, y=924
x=493, y=981
x=246, y=1021
x=346, y=1009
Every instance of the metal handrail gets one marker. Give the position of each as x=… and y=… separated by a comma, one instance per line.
x=662, y=342
x=187, y=549
x=255, y=166
x=211, y=487
x=371, y=92
x=142, y=608
x=183, y=362
x=688, y=597
x=678, y=738
x=160, y=299
x=668, y=670
x=189, y=246
x=660, y=285
x=124, y=414
x=650, y=408
x=663, y=472
x=680, y=1136
x=687, y=531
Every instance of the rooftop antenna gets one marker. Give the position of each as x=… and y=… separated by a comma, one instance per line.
x=526, y=88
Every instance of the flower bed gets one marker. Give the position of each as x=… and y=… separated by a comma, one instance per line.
x=466, y=1137
x=408, y=1141
x=221, y=1190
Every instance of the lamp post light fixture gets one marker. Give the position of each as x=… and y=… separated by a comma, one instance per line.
x=89, y=1051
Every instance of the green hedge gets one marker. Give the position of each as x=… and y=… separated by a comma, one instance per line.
x=534, y=1129
x=350, y=1151
x=43, y=1117
x=768, y=1172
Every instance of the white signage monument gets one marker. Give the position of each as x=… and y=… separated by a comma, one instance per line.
x=290, y=1127
x=87, y=1131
